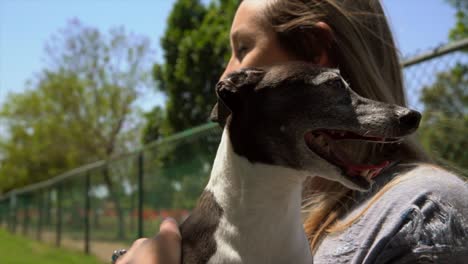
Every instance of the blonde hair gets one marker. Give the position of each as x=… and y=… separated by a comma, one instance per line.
x=365, y=52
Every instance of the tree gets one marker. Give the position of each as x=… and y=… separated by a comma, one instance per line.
x=196, y=49
x=152, y=130
x=444, y=126
x=195, y=53
x=80, y=109
x=460, y=30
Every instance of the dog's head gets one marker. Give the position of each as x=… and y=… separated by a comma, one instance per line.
x=297, y=114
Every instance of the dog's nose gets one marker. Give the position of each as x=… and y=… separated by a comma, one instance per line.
x=409, y=121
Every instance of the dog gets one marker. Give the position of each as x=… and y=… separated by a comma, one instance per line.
x=280, y=126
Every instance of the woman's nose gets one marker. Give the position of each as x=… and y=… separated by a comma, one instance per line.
x=230, y=67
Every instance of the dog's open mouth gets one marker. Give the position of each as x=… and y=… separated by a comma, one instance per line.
x=324, y=143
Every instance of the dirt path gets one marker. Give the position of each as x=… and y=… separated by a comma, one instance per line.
x=101, y=249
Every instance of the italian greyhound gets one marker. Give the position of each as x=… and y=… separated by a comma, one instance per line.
x=280, y=126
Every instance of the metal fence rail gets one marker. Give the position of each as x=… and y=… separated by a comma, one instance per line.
x=125, y=197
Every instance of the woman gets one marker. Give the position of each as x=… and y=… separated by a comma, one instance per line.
x=415, y=212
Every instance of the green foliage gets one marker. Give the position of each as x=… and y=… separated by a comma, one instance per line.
x=80, y=108
x=460, y=30
x=196, y=49
x=177, y=170
x=445, y=123
x=19, y=250
x=43, y=125
x=152, y=130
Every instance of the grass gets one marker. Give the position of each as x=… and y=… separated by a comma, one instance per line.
x=19, y=250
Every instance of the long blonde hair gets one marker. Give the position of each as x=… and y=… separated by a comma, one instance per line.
x=365, y=52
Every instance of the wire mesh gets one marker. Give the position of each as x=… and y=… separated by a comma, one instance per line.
x=425, y=73
x=437, y=86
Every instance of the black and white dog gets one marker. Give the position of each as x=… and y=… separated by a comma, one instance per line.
x=280, y=126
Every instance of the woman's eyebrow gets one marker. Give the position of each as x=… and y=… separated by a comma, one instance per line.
x=236, y=35
x=243, y=34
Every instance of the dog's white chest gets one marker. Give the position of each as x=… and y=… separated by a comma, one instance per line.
x=261, y=211
x=270, y=248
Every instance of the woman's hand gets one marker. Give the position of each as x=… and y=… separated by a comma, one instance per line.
x=165, y=247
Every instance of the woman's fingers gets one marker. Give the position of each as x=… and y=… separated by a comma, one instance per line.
x=165, y=247
x=170, y=225
x=168, y=242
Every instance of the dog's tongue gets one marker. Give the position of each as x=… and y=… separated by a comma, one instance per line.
x=354, y=169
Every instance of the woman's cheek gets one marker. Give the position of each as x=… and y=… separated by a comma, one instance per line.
x=252, y=59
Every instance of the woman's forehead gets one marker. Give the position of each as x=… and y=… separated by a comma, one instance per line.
x=249, y=16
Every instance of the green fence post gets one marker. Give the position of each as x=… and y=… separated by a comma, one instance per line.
x=59, y=216
x=12, y=213
x=87, y=209
x=48, y=207
x=25, y=214
x=39, y=220
x=140, y=194
x=8, y=213
x=1, y=214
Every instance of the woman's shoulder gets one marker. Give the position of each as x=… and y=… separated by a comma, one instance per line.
x=405, y=187
x=425, y=181
x=422, y=212
x=430, y=217
x=416, y=191
x=413, y=212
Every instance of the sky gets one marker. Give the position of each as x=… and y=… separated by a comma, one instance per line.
x=25, y=26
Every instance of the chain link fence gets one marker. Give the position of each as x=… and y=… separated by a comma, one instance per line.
x=439, y=77
x=98, y=206
x=422, y=70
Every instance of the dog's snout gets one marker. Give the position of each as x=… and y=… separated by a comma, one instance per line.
x=409, y=121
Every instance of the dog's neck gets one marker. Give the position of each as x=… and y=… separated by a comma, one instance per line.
x=261, y=221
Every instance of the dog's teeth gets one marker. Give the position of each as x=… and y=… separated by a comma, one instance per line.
x=365, y=173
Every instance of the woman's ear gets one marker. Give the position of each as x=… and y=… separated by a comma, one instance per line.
x=325, y=34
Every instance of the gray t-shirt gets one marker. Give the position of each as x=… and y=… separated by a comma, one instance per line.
x=423, y=219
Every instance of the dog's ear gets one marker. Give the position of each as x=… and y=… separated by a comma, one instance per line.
x=232, y=90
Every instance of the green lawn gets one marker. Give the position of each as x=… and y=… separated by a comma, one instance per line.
x=19, y=250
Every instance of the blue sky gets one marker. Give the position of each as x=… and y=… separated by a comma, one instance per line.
x=25, y=25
